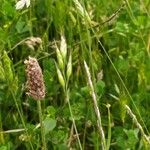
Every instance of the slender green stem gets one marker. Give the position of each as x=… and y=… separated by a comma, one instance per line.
x=2, y=141
x=21, y=117
x=109, y=128
x=73, y=121
x=42, y=125
x=85, y=130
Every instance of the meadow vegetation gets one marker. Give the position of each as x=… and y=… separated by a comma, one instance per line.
x=95, y=60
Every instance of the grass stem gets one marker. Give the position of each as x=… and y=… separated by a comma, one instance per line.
x=97, y=111
x=21, y=116
x=73, y=121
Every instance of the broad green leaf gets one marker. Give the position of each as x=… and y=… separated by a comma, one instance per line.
x=49, y=124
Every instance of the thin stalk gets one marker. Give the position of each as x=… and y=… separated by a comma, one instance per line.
x=12, y=131
x=21, y=116
x=97, y=111
x=70, y=138
x=2, y=141
x=85, y=129
x=137, y=123
x=109, y=128
x=42, y=125
x=73, y=121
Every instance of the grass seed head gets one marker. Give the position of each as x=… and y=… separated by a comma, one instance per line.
x=32, y=42
x=63, y=47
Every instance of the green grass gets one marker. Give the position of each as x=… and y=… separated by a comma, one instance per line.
x=112, y=38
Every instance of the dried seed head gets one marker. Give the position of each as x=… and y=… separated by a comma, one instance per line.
x=35, y=82
x=31, y=42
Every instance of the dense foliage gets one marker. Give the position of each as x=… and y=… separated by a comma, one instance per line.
x=112, y=37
